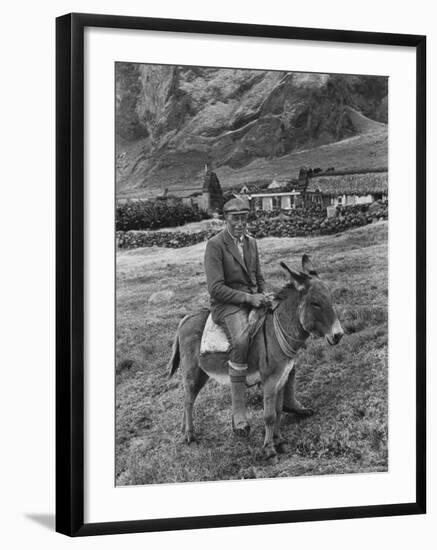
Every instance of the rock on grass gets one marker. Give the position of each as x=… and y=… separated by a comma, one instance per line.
x=162, y=296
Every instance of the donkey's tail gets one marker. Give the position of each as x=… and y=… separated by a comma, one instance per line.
x=173, y=364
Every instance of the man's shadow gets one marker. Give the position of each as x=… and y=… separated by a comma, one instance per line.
x=46, y=520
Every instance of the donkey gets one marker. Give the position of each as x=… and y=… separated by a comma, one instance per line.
x=303, y=307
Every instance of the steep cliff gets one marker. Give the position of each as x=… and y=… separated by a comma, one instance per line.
x=171, y=120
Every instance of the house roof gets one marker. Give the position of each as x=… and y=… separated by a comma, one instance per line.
x=286, y=187
x=251, y=188
x=282, y=184
x=354, y=184
x=275, y=184
x=277, y=193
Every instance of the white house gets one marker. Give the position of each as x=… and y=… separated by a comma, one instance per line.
x=281, y=200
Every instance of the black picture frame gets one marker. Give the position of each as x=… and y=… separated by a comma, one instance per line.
x=70, y=273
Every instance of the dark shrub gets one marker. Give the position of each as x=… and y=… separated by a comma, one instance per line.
x=154, y=215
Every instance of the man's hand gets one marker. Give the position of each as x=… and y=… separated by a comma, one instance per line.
x=257, y=300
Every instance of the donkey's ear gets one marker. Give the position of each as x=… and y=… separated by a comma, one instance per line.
x=307, y=266
x=300, y=280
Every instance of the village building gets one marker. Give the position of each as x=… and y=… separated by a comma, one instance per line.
x=346, y=188
x=248, y=189
x=191, y=197
x=276, y=184
x=317, y=187
x=280, y=194
x=279, y=200
x=328, y=189
x=244, y=190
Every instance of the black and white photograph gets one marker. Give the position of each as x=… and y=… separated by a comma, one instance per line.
x=251, y=229
x=217, y=270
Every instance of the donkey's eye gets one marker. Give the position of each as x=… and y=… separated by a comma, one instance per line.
x=316, y=306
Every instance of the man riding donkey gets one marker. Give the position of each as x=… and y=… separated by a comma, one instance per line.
x=236, y=285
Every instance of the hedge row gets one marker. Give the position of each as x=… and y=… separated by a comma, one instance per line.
x=302, y=222
x=144, y=215
x=136, y=239
x=305, y=222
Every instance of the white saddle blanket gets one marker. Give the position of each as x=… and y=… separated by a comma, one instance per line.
x=214, y=338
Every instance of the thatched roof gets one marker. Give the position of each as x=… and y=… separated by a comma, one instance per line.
x=350, y=184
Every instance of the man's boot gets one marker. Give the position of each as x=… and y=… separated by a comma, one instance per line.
x=237, y=374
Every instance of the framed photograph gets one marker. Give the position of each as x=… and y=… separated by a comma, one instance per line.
x=240, y=274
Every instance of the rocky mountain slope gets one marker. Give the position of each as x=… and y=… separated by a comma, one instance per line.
x=171, y=120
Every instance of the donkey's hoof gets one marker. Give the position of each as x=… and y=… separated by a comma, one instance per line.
x=302, y=412
x=189, y=438
x=269, y=452
x=282, y=446
x=241, y=430
x=305, y=412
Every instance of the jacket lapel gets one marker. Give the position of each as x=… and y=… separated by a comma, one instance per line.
x=247, y=251
x=232, y=247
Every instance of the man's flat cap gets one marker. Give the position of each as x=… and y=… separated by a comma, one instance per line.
x=236, y=206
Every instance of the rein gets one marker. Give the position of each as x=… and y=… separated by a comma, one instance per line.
x=284, y=339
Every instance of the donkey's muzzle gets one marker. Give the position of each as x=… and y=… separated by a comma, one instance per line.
x=336, y=334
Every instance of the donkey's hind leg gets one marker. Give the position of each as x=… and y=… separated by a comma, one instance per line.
x=194, y=380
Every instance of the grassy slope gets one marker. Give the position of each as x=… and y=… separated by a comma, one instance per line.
x=365, y=151
x=347, y=384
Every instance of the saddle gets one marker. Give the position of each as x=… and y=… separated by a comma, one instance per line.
x=214, y=339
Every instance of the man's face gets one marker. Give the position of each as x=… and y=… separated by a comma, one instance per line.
x=236, y=224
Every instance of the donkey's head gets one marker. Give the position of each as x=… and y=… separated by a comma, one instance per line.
x=315, y=309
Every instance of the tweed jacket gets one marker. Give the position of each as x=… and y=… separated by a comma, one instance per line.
x=228, y=277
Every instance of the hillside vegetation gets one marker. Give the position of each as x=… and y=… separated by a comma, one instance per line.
x=346, y=385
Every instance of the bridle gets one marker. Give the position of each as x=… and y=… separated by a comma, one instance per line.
x=288, y=344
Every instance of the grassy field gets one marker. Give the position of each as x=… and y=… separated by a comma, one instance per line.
x=346, y=385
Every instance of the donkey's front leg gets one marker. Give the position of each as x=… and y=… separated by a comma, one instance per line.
x=291, y=403
x=270, y=416
x=280, y=442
